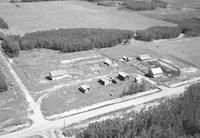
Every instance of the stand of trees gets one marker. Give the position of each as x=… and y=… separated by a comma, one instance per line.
x=3, y=84
x=144, y=5
x=172, y=119
x=3, y=24
x=158, y=32
x=66, y=40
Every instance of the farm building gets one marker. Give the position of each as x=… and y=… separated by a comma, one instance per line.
x=137, y=78
x=56, y=74
x=143, y=57
x=85, y=88
x=105, y=81
x=155, y=72
x=110, y=62
x=123, y=75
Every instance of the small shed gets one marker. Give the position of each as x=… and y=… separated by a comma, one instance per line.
x=143, y=57
x=155, y=72
x=85, y=88
x=105, y=81
x=125, y=58
x=137, y=78
x=108, y=62
x=56, y=74
x=123, y=75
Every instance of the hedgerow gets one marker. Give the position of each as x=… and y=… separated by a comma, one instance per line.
x=3, y=24
x=158, y=32
x=171, y=119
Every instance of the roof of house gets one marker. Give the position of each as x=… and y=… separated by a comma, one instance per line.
x=105, y=79
x=85, y=87
x=144, y=57
x=108, y=61
x=157, y=70
x=58, y=72
x=123, y=74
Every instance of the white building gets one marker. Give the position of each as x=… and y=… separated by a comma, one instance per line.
x=58, y=74
x=85, y=88
x=155, y=72
x=105, y=81
x=143, y=57
x=122, y=75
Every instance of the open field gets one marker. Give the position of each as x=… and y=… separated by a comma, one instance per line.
x=30, y=17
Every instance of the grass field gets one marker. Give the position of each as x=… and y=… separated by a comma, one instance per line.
x=30, y=17
x=13, y=106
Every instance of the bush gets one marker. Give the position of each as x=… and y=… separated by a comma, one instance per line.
x=2, y=36
x=3, y=84
x=3, y=24
x=144, y=5
x=134, y=88
x=159, y=32
x=71, y=40
x=11, y=47
x=174, y=118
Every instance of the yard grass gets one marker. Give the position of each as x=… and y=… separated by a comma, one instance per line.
x=31, y=17
x=13, y=106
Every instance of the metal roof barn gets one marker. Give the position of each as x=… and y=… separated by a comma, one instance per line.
x=155, y=72
x=143, y=57
x=57, y=74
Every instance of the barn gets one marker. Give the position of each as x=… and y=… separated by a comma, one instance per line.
x=155, y=72
x=57, y=74
x=85, y=88
x=122, y=75
x=143, y=57
x=105, y=81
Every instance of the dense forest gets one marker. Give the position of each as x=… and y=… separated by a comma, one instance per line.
x=3, y=84
x=174, y=118
x=66, y=40
x=3, y=24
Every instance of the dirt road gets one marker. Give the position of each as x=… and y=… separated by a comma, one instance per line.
x=36, y=115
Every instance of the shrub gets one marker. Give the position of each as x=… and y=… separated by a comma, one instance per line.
x=171, y=119
x=134, y=88
x=11, y=47
x=2, y=36
x=3, y=84
x=3, y=24
x=158, y=32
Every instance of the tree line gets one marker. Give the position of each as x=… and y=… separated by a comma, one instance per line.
x=178, y=117
x=66, y=40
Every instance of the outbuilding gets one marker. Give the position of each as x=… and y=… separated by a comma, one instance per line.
x=137, y=78
x=85, y=88
x=155, y=72
x=57, y=74
x=105, y=81
x=143, y=57
x=122, y=75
